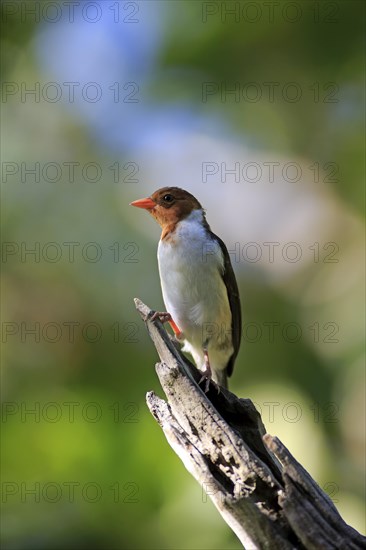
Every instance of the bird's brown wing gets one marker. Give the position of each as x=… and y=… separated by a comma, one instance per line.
x=229, y=279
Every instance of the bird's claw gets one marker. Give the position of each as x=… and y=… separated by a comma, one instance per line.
x=163, y=316
x=207, y=373
x=206, y=376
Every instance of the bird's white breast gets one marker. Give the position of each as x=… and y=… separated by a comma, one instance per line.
x=190, y=266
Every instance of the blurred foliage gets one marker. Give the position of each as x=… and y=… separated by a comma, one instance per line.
x=90, y=427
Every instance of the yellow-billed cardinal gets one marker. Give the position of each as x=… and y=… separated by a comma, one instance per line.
x=198, y=283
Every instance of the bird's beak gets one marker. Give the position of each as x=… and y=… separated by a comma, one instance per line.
x=147, y=203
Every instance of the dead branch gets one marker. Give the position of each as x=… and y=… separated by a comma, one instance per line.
x=266, y=497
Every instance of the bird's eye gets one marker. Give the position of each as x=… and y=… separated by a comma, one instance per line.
x=168, y=198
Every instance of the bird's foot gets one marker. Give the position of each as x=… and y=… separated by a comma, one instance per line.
x=207, y=373
x=165, y=317
x=208, y=378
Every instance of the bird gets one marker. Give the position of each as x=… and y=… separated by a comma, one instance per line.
x=198, y=283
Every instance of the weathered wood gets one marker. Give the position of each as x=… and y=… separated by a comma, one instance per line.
x=265, y=496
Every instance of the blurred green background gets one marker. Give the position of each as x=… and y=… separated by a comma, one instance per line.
x=255, y=107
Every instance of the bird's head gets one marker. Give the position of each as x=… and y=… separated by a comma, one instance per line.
x=169, y=205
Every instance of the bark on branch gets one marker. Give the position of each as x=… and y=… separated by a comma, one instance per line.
x=266, y=497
